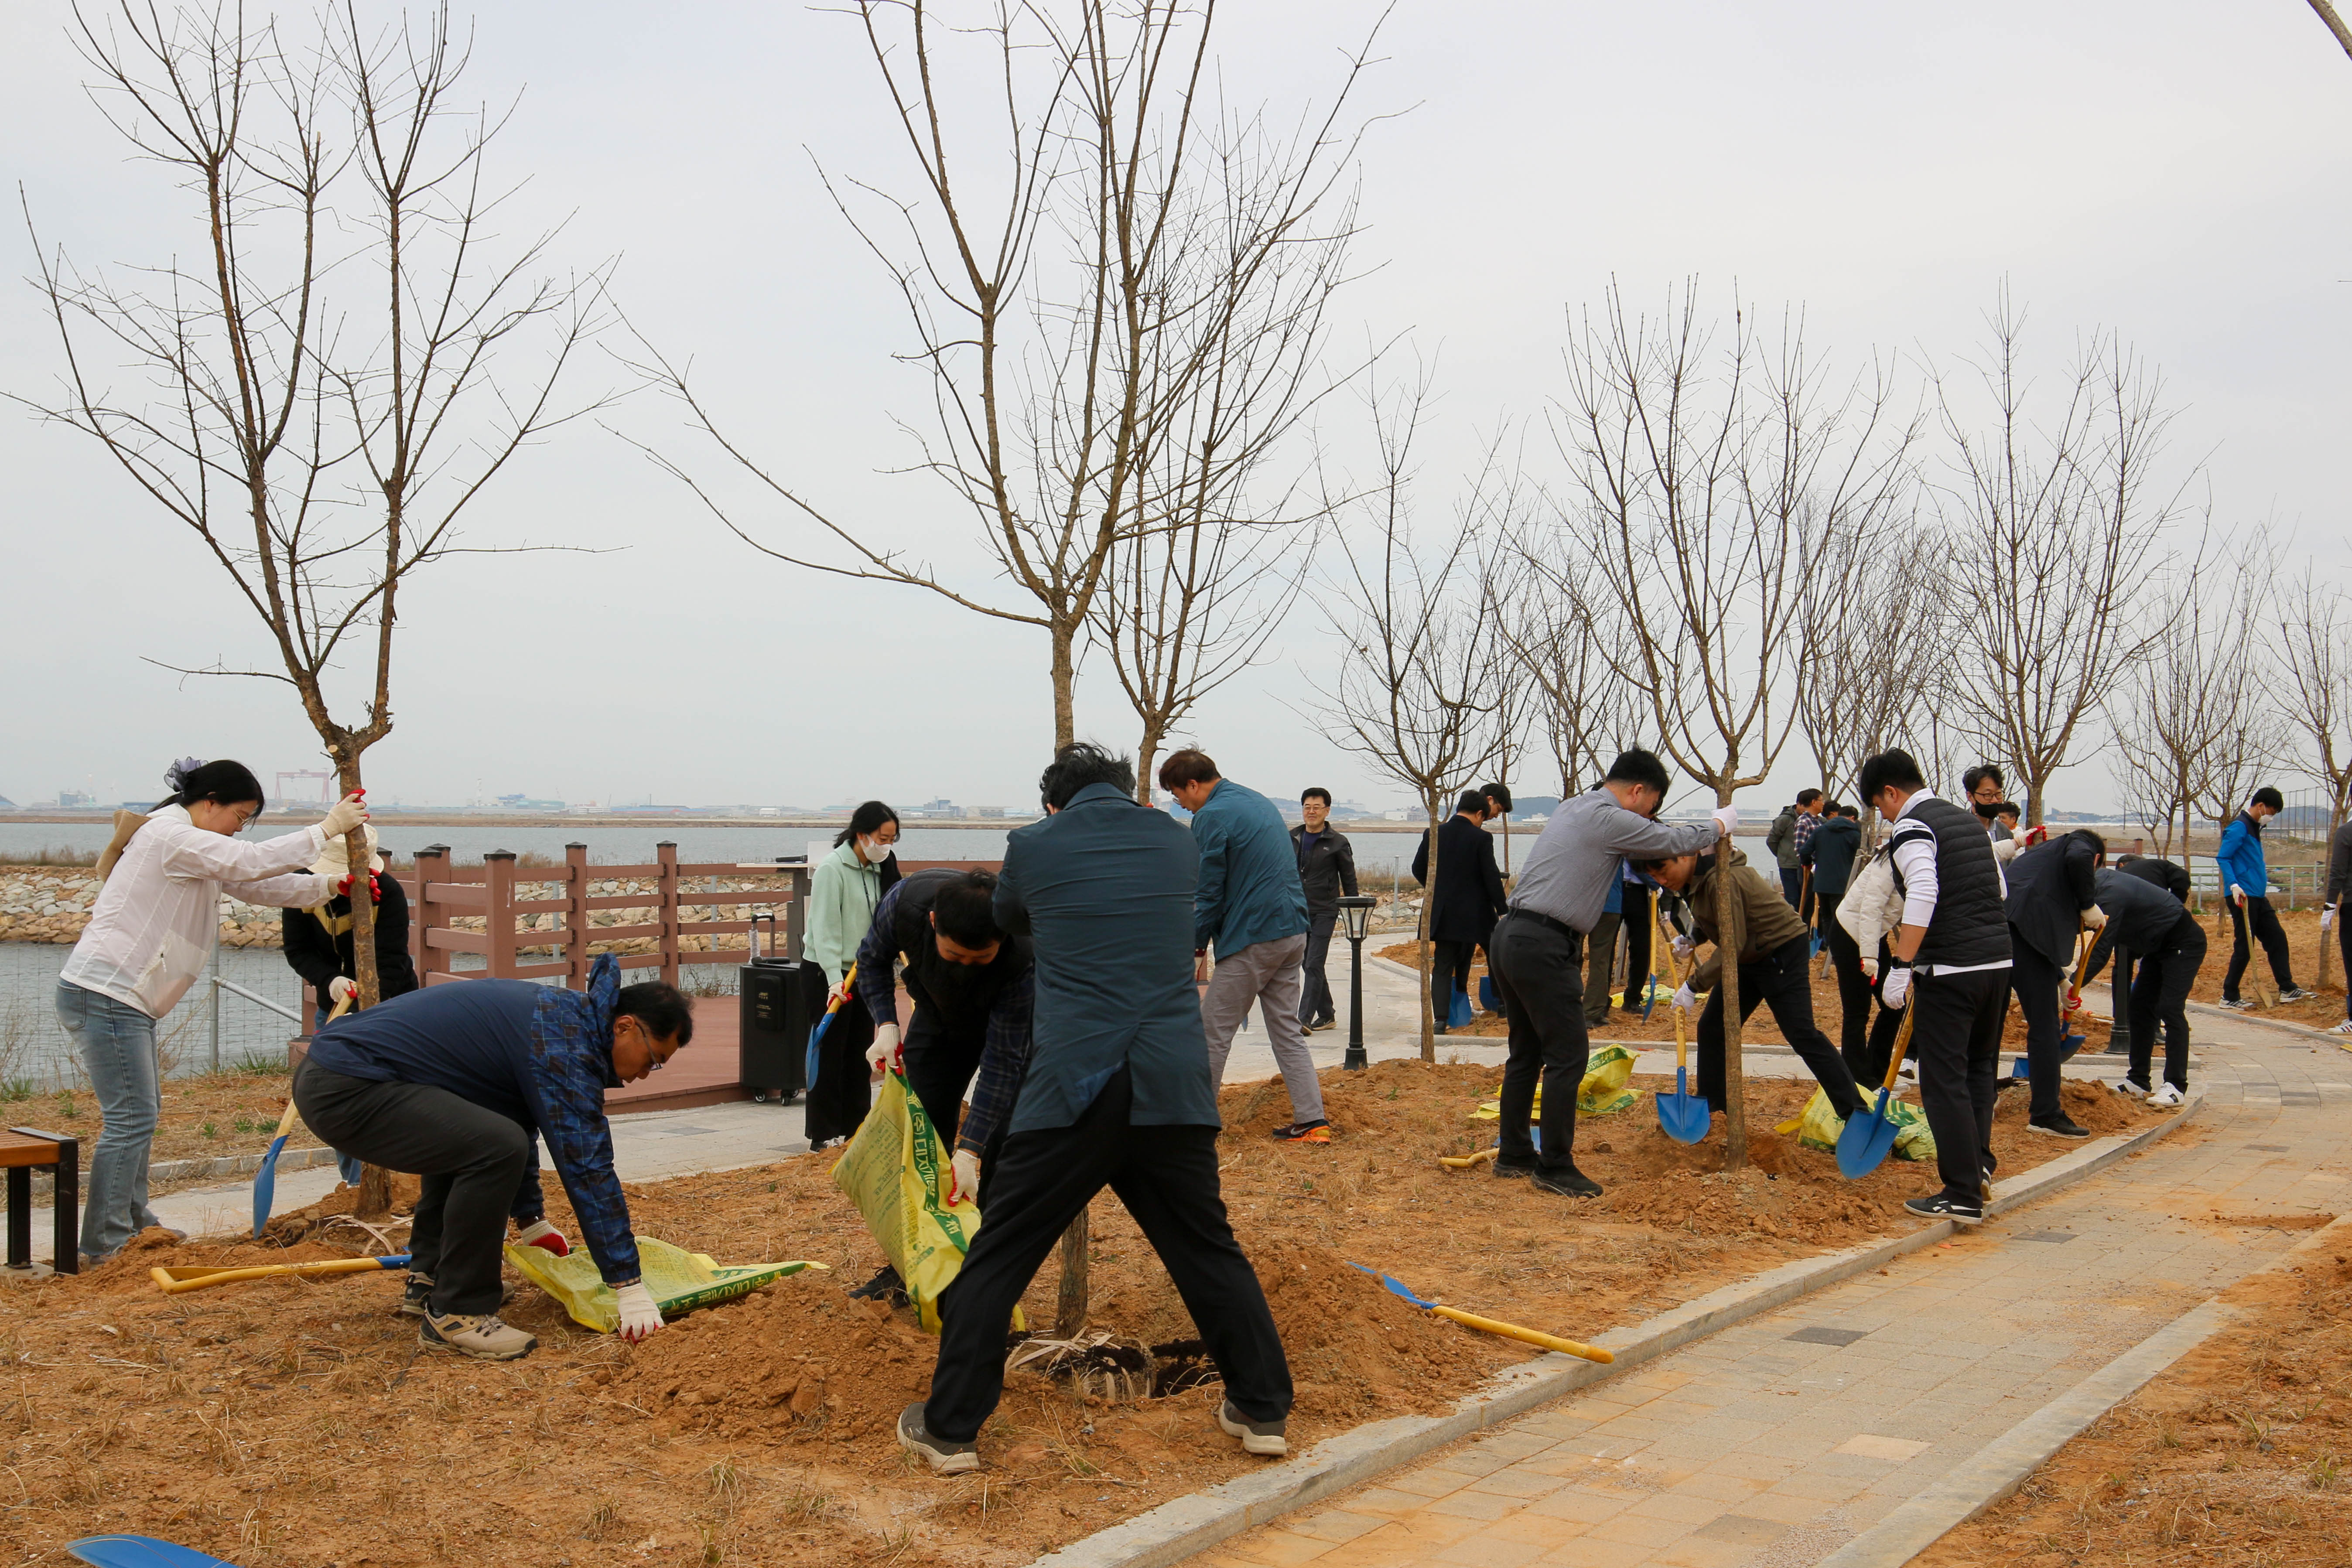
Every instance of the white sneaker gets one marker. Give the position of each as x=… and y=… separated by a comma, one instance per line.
x=2240, y=1006
x=2126, y=1087
x=2343, y=1029
x=2297, y=993
x=2166, y=1097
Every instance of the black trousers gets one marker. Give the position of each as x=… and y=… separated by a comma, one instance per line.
x=1539, y=969
x=2264, y=921
x=840, y=1098
x=1878, y=1047
x=1792, y=884
x=1449, y=971
x=1853, y=995
x=1956, y=1036
x=1599, y=968
x=2119, y=1030
x=1167, y=1177
x=1314, y=1004
x=2039, y=985
x=471, y=1160
x=2159, y=995
x=1640, y=930
x=939, y=1065
x=1778, y=980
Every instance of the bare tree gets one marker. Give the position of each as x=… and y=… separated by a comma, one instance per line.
x=1417, y=692
x=2315, y=644
x=1555, y=642
x=1870, y=599
x=319, y=397
x=1698, y=479
x=1149, y=271
x=2053, y=540
x=2335, y=24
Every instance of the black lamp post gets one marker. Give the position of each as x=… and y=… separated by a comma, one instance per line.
x=1357, y=912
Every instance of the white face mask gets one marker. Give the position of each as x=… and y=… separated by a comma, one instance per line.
x=875, y=850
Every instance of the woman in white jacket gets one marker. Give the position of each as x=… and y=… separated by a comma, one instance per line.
x=150, y=935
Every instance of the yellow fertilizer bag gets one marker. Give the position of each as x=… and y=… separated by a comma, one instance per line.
x=1603, y=1092
x=896, y=1170
x=679, y=1280
x=1818, y=1126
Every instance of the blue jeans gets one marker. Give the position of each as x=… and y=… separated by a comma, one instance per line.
x=116, y=1042
x=347, y=1166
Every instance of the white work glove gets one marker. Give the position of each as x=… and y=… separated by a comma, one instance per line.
x=2093, y=918
x=839, y=994
x=967, y=1174
x=1897, y=987
x=346, y=813
x=2237, y=894
x=1727, y=817
x=2326, y=919
x=542, y=1235
x=341, y=986
x=1870, y=968
x=639, y=1316
x=1684, y=947
x=885, y=1047
x=1685, y=999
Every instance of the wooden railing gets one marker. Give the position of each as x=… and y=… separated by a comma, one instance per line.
x=491, y=893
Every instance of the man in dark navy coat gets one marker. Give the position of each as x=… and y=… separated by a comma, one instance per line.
x=1118, y=1094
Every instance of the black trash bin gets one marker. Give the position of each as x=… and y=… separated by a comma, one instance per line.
x=781, y=1000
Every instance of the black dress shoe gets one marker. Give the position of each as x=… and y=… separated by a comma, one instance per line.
x=1567, y=1182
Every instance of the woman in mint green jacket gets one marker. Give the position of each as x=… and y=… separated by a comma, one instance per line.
x=848, y=885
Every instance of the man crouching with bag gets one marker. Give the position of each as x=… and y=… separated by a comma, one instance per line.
x=452, y=1084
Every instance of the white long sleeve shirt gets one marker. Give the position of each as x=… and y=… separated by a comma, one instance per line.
x=156, y=919
x=1913, y=854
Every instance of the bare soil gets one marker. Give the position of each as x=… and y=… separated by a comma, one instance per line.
x=289, y=1421
x=202, y=1117
x=2236, y=1455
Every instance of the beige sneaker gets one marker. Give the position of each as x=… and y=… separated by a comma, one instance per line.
x=484, y=1337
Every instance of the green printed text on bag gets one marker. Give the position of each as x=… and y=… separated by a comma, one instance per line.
x=1818, y=1126
x=679, y=1280
x=896, y=1171
x=1603, y=1092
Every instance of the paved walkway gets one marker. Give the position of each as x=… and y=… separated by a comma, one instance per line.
x=1769, y=1444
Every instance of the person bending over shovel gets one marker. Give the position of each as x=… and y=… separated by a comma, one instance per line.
x=1774, y=946
x=1118, y=1095
x=452, y=1084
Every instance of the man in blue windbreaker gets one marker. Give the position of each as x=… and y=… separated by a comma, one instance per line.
x=452, y=1083
x=2246, y=883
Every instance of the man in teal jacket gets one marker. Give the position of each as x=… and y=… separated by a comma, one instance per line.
x=1116, y=1094
x=2246, y=883
x=1253, y=907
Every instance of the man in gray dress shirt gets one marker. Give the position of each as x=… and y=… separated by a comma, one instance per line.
x=1537, y=954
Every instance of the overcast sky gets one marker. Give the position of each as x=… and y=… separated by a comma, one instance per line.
x=2177, y=173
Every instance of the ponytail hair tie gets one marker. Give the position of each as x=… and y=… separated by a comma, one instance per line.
x=176, y=775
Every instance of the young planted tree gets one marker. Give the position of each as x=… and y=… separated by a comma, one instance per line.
x=1699, y=477
x=1130, y=271
x=2056, y=524
x=1556, y=647
x=2315, y=644
x=1418, y=692
x=322, y=390
x=1868, y=604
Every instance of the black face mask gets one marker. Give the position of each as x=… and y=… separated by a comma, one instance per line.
x=1988, y=809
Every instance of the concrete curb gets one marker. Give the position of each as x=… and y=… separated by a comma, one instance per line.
x=45, y=1185
x=1183, y=1526
x=2284, y=1026
x=2004, y=1464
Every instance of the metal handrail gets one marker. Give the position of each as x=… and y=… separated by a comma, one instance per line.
x=277, y=1008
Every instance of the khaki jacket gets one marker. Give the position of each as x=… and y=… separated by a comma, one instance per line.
x=1761, y=919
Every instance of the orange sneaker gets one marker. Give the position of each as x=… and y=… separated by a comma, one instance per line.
x=1304, y=1133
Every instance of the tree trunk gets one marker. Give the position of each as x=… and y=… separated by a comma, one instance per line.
x=1735, y=1078
x=1145, y=755
x=1070, y=1305
x=1064, y=683
x=375, y=1182
x=1428, y=938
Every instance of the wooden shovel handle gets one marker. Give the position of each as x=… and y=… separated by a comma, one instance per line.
x=1902, y=1039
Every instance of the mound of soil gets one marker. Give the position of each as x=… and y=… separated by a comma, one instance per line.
x=2236, y=1454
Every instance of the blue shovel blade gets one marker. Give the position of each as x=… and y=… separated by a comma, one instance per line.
x=1457, y=1012
x=1396, y=1287
x=265, y=1193
x=1488, y=997
x=1863, y=1145
x=141, y=1552
x=1683, y=1115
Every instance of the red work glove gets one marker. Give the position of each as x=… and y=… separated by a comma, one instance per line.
x=538, y=1233
x=375, y=887
x=2073, y=1001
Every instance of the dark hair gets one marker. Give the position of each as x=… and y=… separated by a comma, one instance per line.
x=1310, y=794
x=2010, y=808
x=1472, y=800
x=2266, y=796
x=2097, y=841
x=222, y=783
x=1977, y=774
x=964, y=912
x=1640, y=767
x=1499, y=795
x=1807, y=796
x=864, y=822
x=1893, y=767
x=662, y=1008
x=1079, y=764
x=1847, y=809
x=1187, y=766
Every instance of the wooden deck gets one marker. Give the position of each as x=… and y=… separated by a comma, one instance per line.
x=708, y=1072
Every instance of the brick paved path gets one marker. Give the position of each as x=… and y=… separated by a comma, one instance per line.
x=1769, y=1444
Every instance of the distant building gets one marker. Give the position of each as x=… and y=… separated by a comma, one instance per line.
x=6, y=804
x=523, y=803
x=75, y=800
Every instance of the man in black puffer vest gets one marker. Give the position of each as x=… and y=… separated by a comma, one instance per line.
x=1952, y=949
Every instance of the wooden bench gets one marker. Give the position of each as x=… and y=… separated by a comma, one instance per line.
x=23, y=1151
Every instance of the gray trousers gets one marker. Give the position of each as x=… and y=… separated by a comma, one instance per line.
x=1266, y=972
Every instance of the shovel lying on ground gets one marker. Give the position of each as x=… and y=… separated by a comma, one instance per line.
x=1489, y=1326
x=141, y=1552
x=1466, y=1162
x=1862, y=1144
x=171, y=1282
x=264, y=1179
x=1683, y=1115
